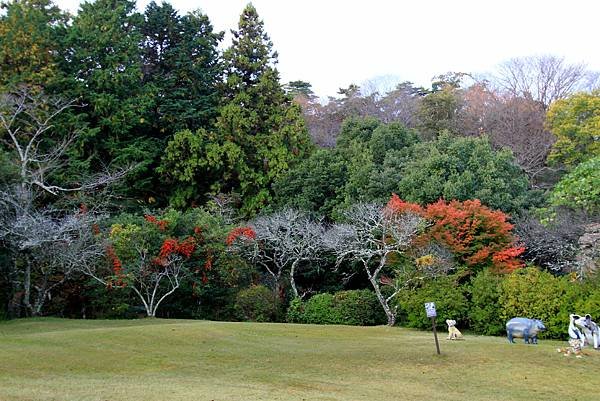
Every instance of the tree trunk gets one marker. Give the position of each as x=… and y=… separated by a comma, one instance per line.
x=40, y=299
x=39, y=304
x=292, y=280
x=27, y=287
x=391, y=315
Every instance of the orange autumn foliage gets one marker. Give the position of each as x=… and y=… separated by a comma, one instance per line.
x=478, y=236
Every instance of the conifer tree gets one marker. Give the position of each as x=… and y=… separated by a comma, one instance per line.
x=258, y=121
x=181, y=64
x=103, y=67
x=259, y=132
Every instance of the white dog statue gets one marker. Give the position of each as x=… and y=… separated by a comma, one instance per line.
x=453, y=332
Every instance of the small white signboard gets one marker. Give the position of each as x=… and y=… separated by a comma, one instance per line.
x=430, y=309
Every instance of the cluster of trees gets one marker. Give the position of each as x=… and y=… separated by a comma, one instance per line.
x=153, y=90
x=144, y=171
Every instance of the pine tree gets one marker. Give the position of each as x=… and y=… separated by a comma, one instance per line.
x=259, y=122
x=181, y=63
x=258, y=136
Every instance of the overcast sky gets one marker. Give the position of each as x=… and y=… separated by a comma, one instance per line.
x=333, y=43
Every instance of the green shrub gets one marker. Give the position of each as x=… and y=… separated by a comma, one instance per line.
x=533, y=293
x=530, y=293
x=589, y=300
x=484, y=314
x=352, y=307
x=257, y=304
x=358, y=308
x=590, y=305
x=449, y=299
x=320, y=310
x=295, y=312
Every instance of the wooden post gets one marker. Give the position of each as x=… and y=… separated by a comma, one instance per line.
x=437, y=344
x=432, y=313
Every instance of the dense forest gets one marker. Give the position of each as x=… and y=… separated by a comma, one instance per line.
x=145, y=170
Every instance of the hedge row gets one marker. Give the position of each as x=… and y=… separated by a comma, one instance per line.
x=354, y=307
x=482, y=305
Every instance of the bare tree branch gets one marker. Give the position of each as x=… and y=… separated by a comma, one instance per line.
x=371, y=235
x=284, y=240
x=543, y=78
x=28, y=121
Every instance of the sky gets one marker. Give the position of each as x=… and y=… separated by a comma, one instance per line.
x=334, y=43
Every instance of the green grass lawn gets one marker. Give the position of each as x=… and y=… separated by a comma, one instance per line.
x=54, y=359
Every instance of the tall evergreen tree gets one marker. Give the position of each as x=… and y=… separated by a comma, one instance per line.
x=259, y=133
x=259, y=122
x=181, y=63
x=103, y=66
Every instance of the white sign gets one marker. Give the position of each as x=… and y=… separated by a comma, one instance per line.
x=430, y=309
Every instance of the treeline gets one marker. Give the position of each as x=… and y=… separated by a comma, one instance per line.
x=137, y=79
x=145, y=172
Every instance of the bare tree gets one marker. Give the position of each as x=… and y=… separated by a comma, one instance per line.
x=543, y=78
x=51, y=246
x=512, y=122
x=27, y=127
x=518, y=124
x=401, y=104
x=152, y=279
x=552, y=245
x=371, y=235
x=41, y=238
x=283, y=241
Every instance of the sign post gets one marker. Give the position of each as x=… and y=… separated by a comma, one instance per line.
x=431, y=313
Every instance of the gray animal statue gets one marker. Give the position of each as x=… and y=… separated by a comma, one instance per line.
x=521, y=327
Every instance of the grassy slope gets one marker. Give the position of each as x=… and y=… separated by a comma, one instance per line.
x=54, y=359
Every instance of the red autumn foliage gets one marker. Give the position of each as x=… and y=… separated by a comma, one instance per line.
x=161, y=224
x=240, y=232
x=187, y=247
x=168, y=248
x=397, y=205
x=117, y=267
x=478, y=236
x=209, y=261
x=171, y=246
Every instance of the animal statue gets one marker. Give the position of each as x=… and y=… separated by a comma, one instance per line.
x=521, y=327
x=576, y=338
x=575, y=322
x=591, y=332
x=453, y=332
